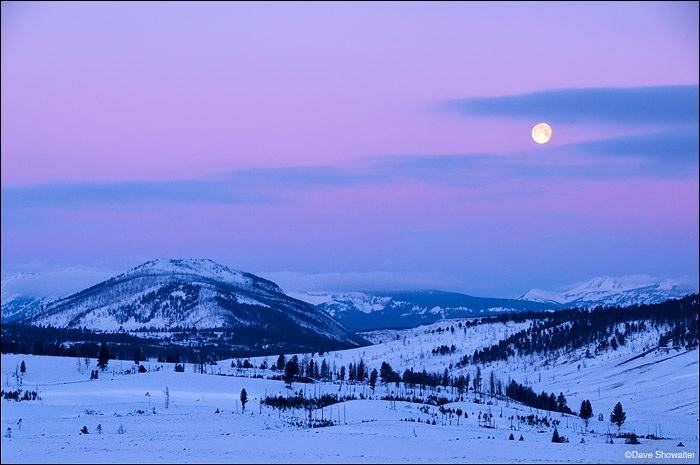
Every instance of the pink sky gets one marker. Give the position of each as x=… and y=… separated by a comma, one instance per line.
x=112, y=94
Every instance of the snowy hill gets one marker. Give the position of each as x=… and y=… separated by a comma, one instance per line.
x=200, y=294
x=163, y=415
x=607, y=291
x=364, y=311
x=25, y=293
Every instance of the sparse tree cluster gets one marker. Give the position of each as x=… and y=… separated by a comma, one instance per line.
x=543, y=401
x=586, y=411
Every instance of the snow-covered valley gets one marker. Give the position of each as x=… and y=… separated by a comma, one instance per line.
x=204, y=420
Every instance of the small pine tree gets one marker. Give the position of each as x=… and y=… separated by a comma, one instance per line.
x=561, y=402
x=22, y=367
x=84, y=430
x=521, y=438
x=244, y=399
x=290, y=371
x=511, y=437
x=373, y=379
x=103, y=357
x=281, y=364
x=618, y=416
x=555, y=436
x=99, y=429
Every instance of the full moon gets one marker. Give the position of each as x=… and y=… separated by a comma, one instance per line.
x=541, y=133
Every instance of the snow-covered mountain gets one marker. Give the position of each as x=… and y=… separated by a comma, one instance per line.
x=364, y=311
x=201, y=294
x=607, y=291
x=25, y=293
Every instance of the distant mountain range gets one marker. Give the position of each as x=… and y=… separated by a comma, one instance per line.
x=202, y=294
x=364, y=311
x=179, y=295
x=607, y=291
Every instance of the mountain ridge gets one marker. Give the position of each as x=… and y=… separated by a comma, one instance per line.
x=610, y=291
x=366, y=311
x=164, y=294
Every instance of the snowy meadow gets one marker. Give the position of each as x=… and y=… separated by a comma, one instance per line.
x=167, y=414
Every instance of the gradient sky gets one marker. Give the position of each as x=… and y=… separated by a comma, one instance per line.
x=348, y=145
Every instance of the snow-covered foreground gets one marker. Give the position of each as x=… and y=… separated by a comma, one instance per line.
x=191, y=430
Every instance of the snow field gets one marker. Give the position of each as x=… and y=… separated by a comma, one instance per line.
x=366, y=430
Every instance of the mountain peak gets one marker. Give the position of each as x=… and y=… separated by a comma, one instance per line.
x=600, y=284
x=201, y=294
x=201, y=266
x=606, y=290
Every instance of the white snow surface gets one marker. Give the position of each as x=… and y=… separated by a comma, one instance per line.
x=659, y=392
x=605, y=290
x=354, y=300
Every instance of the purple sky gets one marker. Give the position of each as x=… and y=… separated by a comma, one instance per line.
x=388, y=143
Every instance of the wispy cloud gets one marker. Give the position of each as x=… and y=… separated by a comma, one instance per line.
x=57, y=196
x=298, y=283
x=627, y=105
x=666, y=147
x=307, y=176
x=666, y=154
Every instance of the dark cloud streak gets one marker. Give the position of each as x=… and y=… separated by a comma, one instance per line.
x=625, y=105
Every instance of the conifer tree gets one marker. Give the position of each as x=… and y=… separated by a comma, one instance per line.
x=561, y=402
x=290, y=371
x=586, y=411
x=361, y=371
x=373, y=379
x=103, y=357
x=324, y=370
x=477, y=381
x=386, y=372
x=281, y=364
x=555, y=436
x=618, y=416
x=244, y=399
